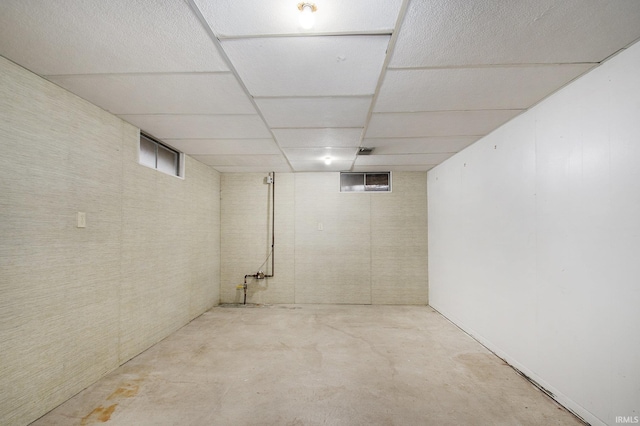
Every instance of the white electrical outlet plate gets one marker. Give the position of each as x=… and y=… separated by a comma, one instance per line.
x=320, y=226
x=82, y=220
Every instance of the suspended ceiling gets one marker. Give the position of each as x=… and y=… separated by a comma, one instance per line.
x=240, y=86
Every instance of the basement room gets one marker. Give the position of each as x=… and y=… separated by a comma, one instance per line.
x=364, y=212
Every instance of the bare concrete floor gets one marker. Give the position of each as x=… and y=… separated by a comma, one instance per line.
x=314, y=365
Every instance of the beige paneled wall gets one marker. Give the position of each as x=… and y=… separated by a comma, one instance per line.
x=246, y=237
x=331, y=247
x=399, y=242
x=178, y=222
x=76, y=303
x=333, y=265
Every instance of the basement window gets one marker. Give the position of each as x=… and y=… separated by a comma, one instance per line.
x=365, y=182
x=161, y=157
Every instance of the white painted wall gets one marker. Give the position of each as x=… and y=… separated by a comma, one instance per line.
x=372, y=248
x=75, y=303
x=534, y=241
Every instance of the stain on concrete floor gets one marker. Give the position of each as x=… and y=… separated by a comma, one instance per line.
x=314, y=365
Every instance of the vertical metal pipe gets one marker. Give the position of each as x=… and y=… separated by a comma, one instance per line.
x=245, y=290
x=273, y=221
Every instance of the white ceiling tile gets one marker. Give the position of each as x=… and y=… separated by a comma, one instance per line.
x=97, y=36
x=514, y=87
x=224, y=146
x=243, y=160
x=200, y=126
x=319, y=154
x=463, y=32
x=315, y=112
x=320, y=166
x=230, y=18
x=185, y=93
x=400, y=160
x=309, y=66
x=154, y=64
x=309, y=138
x=431, y=145
x=388, y=168
x=446, y=123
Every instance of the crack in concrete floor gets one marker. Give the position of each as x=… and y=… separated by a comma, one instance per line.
x=314, y=365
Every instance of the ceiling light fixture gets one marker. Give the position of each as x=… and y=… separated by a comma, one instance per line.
x=328, y=160
x=306, y=14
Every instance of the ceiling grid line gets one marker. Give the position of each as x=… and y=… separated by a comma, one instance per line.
x=216, y=42
x=242, y=87
x=308, y=34
x=480, y=66
x=390, y=49
x=140, y=74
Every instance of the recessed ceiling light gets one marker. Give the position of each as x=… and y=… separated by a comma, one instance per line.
x=328, y=160
x=306, y=14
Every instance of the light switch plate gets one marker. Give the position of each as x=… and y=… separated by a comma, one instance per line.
x=82, y=220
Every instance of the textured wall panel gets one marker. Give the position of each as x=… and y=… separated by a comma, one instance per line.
x=281, y=289
x=246, y=237
x=372, y=247
x=203, y=262
x=399, y=242
x=76, y=302
x=155, y=292
x=55, y=278
x=333, y=265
